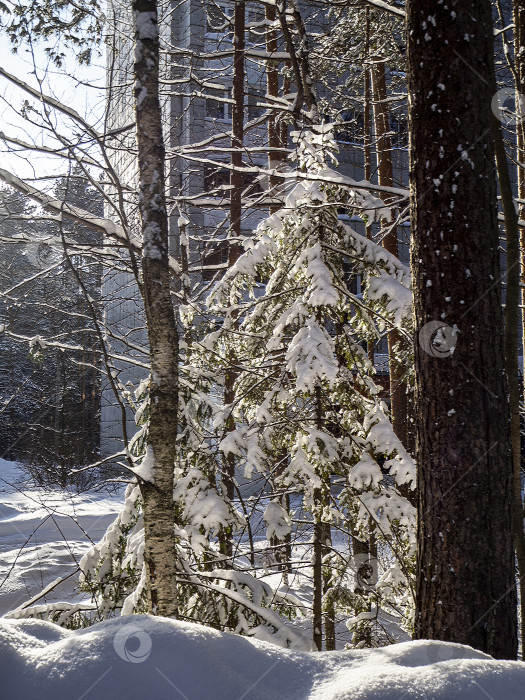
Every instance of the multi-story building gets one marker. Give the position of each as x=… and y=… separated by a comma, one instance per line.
x=197, y=79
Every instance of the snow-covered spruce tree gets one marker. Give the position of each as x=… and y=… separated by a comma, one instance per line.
x=305, y=386
x=209, y=590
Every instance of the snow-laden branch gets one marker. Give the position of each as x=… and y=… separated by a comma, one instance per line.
x=50, y=587
x=81, y=216
x=64, y=209
x=381, y=5
x=285, y=634
x=218, y=55
x=328, y=176
x=60, y=613
x=37, y=342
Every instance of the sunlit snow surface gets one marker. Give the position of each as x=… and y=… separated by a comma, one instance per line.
x=43, y=535
x=151, y=659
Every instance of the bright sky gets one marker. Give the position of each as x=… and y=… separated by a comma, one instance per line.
x=81, y=88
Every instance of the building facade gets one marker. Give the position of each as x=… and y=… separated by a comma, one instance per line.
x=197, y=80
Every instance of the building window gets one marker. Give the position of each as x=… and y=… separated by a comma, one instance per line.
x=213, y=259
x=255, y=27
x=255, y=110
x=217, y=181
x=218, y=105
x=215, y=178
x=218, y=19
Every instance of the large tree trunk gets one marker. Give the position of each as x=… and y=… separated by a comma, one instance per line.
x=157, y=485
x=512, y=323
x=519, y=512
x=465, y=575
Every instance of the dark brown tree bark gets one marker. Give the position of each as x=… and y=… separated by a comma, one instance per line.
x=237, y=177
x=157, y=485
x=519, y=511
x=323, y=609
x=289, y=14
x=363, y=552
x=465, y=575
x=319, y=534
x=328, y=600
x=367, y=130
x=512, y=323
x=398, y=385
x=276, y=143
x=317, y=573
x=234, y=248
x=283, y=548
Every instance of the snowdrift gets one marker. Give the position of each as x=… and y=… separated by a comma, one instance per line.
x=145, y=658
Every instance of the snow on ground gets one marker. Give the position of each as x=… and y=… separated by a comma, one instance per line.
x=141, y=657
x=43, y=534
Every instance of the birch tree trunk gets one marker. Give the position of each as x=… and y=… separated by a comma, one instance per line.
x=465, y=590
x=158, y=468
